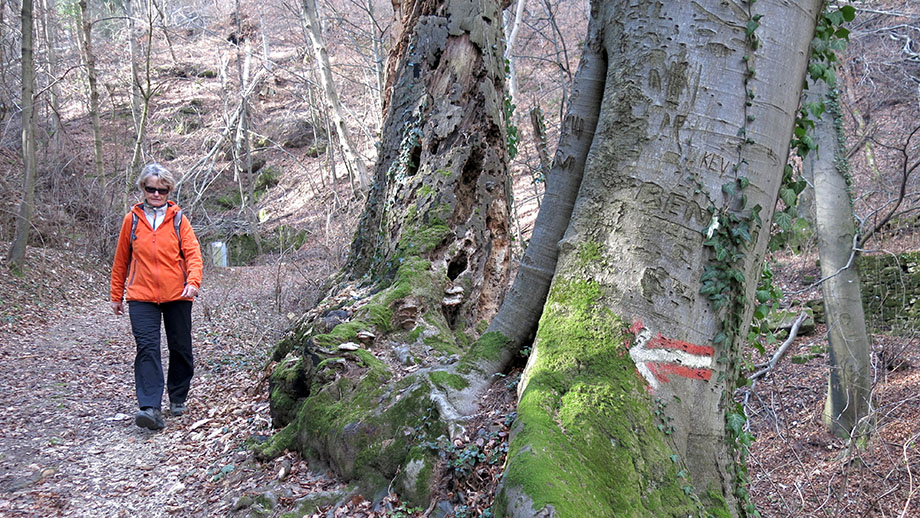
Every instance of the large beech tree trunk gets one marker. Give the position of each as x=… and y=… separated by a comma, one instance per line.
x=848, y=400
x=675, y=134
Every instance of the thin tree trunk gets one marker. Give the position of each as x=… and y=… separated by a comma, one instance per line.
x=17, y=253
x=165, y=30
x=50, y=36
x=518, y=316
x=243, y=154
x=136, y=98
x=146, y=93
x=848, y=402
x=379, y=60
x=512, y=27
x=353, y=160
x=90, y=60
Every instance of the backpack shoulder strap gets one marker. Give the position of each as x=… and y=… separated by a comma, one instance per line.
x=133, y=230
x=177, y=222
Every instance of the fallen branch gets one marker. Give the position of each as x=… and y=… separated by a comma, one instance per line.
x=778, y=355
x=774, y=360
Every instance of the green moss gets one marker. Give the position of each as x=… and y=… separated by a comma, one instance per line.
x=718, y=507
x=489, y=347
x=442, y=343
x=282, y=403
x=344, y=332
x=414, y=334
x=281, y=441
x=588, y=415
x=380, y=316
x=379, y=369
x=446, y=380
x=423, y=191
x=366, y=429
x=420, y=241
x=413, y=277
x=589, y=252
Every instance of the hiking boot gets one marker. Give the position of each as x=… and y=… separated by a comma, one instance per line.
x=177, y=409
x=149, y=418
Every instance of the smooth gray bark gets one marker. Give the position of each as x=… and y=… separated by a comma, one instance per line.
x=848, y=402
x=668, y=138
x=518, y=316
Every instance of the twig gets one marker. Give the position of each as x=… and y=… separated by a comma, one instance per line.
x=910, y=476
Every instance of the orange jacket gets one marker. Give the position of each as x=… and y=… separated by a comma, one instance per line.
x=152, y=266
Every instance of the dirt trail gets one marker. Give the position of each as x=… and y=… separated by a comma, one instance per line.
x=68, y=443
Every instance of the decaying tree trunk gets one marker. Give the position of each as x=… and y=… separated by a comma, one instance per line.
x=441, y=187
x=17, y=253
x=848, y=402
x=429, y=261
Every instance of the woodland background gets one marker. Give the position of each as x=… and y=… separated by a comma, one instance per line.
x=236, y=109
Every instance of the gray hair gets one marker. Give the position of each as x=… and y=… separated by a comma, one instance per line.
x=155, y=169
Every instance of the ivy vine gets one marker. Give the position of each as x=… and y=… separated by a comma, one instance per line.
x=733, y=226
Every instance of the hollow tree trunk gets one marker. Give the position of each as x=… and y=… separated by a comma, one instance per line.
x=849, y=381
x=441, y=186
x=429, y=261
x=678, y=135
x=27, y=206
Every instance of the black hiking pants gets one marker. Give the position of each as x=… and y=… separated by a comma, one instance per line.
x=148, y=367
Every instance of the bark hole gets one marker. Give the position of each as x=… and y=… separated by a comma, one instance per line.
x=457, y=266
x=412, y=164
x=466, y=189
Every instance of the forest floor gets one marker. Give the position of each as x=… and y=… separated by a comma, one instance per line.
x=69, y=445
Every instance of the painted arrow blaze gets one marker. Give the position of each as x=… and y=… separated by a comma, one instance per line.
x=657, y=358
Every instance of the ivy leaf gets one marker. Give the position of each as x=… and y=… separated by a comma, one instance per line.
x=789, y=196
x=848, y=12
x=735, y=423
x=842, y=33
x=751, y=27
x=783, y=220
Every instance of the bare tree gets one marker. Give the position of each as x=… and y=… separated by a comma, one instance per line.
x=17, y=252
x=848, y=403
x=354, y=163
x=89, y=59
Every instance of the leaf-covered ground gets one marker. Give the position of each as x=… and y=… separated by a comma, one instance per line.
x=69, y=444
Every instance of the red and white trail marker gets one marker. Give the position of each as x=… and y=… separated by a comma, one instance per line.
x=657, y=358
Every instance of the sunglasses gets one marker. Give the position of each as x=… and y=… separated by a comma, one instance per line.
x=151, y=190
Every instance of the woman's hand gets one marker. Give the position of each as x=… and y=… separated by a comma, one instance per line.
x=189, y=292
x=118, y=308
